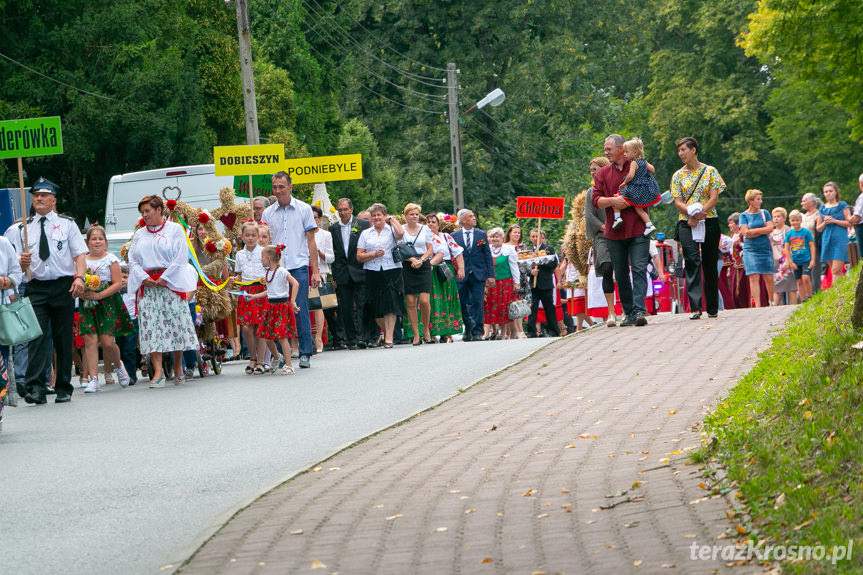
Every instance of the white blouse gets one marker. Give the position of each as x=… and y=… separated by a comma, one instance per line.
x=370, y=240
x=444, y=244
x=511, y=253
x=9, y=267
x=420, y=241
x=163, y=249
x=102, y=267
x=278, y=286
x=324, y=243
x=248, y=264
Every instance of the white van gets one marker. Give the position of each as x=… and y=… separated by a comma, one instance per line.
x=199, y=184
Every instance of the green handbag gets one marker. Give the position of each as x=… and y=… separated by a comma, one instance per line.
x=18, y=323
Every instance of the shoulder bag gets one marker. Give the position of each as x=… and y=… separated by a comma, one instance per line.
x=405, y=250
x=18, y=323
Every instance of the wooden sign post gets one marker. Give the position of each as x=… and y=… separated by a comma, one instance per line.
x=27, y=138
x=539, y=208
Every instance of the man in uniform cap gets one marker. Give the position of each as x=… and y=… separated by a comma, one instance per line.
x=57, y=266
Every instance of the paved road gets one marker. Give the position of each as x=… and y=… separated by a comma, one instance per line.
x=129, y=481
x=573, y=461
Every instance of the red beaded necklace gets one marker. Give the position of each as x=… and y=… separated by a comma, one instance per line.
x=269, y=277
x=159, y=229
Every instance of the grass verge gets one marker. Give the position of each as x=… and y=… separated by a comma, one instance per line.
x=789, y=436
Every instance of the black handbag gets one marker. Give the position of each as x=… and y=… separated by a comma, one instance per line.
x=444, y=274
x=406, y=250
x=323, y=296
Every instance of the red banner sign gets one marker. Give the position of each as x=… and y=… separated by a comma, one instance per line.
x=536, y=207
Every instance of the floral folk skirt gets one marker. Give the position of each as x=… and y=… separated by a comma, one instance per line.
x=497, y=300
x=445, y=316
x=251, y=311
x=277, y=322
x=164, y=322
x=105, y=317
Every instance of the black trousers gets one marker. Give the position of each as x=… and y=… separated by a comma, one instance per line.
x=54, y=306
x=701, y=258
x=352, y=307
x=546, y=296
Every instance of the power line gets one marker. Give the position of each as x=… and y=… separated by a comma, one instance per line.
x=385, y=45
x=323, y=17
x=400, y=104
x=428, y=97
x=17, y=63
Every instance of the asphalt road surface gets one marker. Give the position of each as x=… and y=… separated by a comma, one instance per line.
x=133, y=480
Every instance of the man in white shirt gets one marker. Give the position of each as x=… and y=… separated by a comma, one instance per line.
x=292, y=224
x=56, y=278
x=857, y=217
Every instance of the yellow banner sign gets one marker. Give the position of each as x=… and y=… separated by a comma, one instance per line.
x=324, y=169
x=248, y=160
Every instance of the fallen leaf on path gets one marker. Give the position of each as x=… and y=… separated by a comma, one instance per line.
x=318, y=565
x=396, y=516
x=335, y=468
x=441, y=529
x=316, y=469
x=802, y=525
x=730, y=513
x=569, y=447
x=664, y=460
x=669, y=565
x=637, y=563
x=807, y=415
x=564, y=490
x=740, y=529
x=296, y=532
x=470, y=511
x=487, y=560
x=690, y=536
x=528, y=493
x=631, y=524
x=379, y=506
x=672, y=411
x=542, y=516
x=539, y=573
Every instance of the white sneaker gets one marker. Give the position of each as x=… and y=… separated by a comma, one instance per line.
x=616, y=223
x=93, y=386
x=83, y=382
x=122, y=377
x=649, y=229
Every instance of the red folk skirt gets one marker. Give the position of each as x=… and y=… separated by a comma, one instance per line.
x=251, y=311
x=277, y=322
x=497, y=300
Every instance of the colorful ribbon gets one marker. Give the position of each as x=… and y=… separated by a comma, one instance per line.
x=193, y=257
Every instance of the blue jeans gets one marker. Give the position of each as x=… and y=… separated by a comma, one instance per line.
x=304, y=322
x=631, y=254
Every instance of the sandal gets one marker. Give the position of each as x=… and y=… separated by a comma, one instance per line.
x=250, y=369
x=267, y=369
x=259, y=370
x=286, y=370
x=389, y=345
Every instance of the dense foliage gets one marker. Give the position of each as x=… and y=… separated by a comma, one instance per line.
x=767, y=87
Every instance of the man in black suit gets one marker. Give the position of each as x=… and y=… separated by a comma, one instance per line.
x=349, y=275
x=542, y=289
x=477, y=274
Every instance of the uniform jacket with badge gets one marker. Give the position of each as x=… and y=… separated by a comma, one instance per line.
x=65, y=243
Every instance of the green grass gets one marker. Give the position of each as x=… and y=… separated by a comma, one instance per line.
x=792, y=430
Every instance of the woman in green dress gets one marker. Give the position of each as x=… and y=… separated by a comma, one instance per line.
x=445, y=306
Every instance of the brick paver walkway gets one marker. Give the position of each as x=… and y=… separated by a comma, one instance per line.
x=511, y=476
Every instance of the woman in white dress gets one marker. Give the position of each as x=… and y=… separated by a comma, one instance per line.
x=161, y=278
x=10, y=277
x=326, y=256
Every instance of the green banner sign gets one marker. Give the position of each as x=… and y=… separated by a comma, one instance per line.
x=31, y=137
x=261, y=186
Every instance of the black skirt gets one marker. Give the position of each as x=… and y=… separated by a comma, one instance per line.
x=385, y=292
x=417, y=281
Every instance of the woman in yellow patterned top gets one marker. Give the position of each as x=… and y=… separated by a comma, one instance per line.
x=696, y=188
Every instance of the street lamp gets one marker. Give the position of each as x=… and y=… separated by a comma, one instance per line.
x=494, y=98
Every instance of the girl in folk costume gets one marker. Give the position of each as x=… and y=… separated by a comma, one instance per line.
x=265, y=238
x=278, y=321
x=250, y=275
x=103, y=315
x=160, y=275
x=446, y=318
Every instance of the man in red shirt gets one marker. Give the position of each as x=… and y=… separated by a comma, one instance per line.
x=629, y=247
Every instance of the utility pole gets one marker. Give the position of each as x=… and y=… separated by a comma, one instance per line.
x=251, y=108
x=454, y=137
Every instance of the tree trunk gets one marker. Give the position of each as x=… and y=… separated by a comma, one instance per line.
x=857, y=314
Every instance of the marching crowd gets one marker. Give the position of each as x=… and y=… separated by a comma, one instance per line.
x=414, y=278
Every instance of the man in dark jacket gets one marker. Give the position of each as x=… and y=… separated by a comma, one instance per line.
x=542, y=288
x=477, y=274
x=349, y=275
